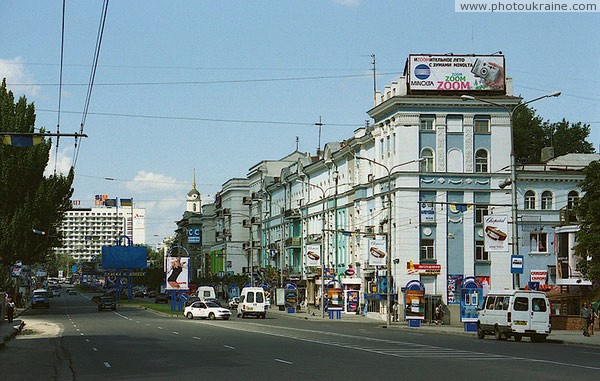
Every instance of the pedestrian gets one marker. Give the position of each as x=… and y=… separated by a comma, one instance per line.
x=439, y=314
x=395, y=309
x=593, y=316
x=10, y=312
x=586, y=312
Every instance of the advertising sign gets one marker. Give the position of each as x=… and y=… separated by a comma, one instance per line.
x=454, y=283
x=193, y=235
x=427, y=212
x=495, y=228
x=452, y=73
x=470, y=300
x=312, y=255
x=177, y=273
x=538, y=276
x=516, y=264
x=377, y=252
x=423, y=268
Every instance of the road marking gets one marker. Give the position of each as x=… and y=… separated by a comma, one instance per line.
x=87, y=340
x=229, y=346
x=106, y=364
x=81, y=334
x=283, y=361
x=95, y=349
x=176, y=333
x=160, y=327
x=196, y=338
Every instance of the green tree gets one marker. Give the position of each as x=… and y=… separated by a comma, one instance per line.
x=588, y=212
x=32, y=205
x=531, y=134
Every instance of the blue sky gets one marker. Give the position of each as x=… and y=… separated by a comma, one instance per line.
x=218, y=86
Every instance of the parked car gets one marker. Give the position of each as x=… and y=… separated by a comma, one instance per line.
x=107, y=302
x=40, y=298
x=139, y=294
x=253, y=302
x=55, y=292
x=71, y=291
x=204, y=309
x=161, y=298
x=152, y=294
x=234, y=302
x=191, y=300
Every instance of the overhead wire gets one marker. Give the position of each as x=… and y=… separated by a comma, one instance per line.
x=92, y=77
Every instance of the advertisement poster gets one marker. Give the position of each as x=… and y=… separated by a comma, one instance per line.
x=495, y=228
x=423, y=268
x=415, y=304
x=177, y=273
x=427, y=212
x=312, y=255
x=539, y=276
x=377, y=252
x=470, y=298
x=454, y=283
x=462, y=73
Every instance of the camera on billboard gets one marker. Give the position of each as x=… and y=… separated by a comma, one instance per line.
x=485, y=71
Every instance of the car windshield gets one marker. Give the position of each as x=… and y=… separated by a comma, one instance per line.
x=212, y=305
x=40, y=294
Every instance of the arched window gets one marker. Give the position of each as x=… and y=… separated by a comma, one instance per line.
x=427, y=163
x=529, y=200
x=572, y=200
x=481, y=161
x=547, y=200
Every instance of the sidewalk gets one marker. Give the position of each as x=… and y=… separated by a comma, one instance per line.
x=10, y=330
x=558, y=337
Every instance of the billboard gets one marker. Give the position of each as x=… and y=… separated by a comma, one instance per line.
x=313, y=255
x=377, y=252
x=123, y=257
x=456, y=73
x=496, y=232
x=177, y=273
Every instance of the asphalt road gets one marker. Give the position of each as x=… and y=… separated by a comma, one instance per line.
x=73, y=341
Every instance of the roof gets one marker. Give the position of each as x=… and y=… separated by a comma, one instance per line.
x=574, y=159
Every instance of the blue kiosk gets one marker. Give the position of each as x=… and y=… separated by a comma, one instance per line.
x=471, y=299
x=414, y=298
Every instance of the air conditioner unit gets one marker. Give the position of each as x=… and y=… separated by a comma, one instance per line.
x=246, y=223
x=370, y=229
x=255, y=196
x=227, y=212
x=246, y=200
x=255, y=220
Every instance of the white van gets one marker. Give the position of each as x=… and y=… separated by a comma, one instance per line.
x=515, y=313
x=253, y=301
x=206, y=292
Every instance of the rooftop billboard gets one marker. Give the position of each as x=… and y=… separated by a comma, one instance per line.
x=456, y=73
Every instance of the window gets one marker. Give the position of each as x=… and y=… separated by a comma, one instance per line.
x=481, y=161
x=572, y=200
x=489, y=303
x=389, y=147
x=529, y=200
x=427, y=163
x=547, y=200
x=381, y=147
x=427, y=249
x=538, y=242
x=480, y=253
x=521, y=304
x=454, y=124
x=481, y=126
x=427, y=123
x=480, y=212
x=538, y=305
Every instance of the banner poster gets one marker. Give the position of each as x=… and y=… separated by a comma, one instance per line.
x=415, y=304
x=495, y=228
x=427, y=212
x=456, y=73
x=177, y=273
x=312, y=255
x=538, y=276
x=454, y=283
x=377, y=252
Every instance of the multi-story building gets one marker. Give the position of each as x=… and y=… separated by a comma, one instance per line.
x=86, y=230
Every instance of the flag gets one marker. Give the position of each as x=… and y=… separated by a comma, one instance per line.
x=126, y=202
x=22, y=140
x=110, y=202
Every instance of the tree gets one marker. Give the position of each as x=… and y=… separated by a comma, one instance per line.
x=32, y=205
x=588, y=212
x=531, y=134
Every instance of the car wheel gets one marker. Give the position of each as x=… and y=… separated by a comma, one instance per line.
x=480, y=333
x=190, y=316
x=225, y=317
x=212, y=316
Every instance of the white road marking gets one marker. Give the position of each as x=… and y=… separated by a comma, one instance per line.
x=196, y=338
x=175, y=333
x=229, y=346
x=95, y=349
x=283, y=361
x=160, y=327
x=106, y=364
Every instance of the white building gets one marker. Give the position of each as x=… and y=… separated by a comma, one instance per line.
x=86, y=230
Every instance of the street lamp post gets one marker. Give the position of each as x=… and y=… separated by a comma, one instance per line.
x=389, y=230
x=513, y=168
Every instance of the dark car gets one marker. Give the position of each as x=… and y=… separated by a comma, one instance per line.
x=152, y=294
x=161, y=298
x=107, y=302
x=40, y=299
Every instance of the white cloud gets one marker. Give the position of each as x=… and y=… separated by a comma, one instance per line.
x=15, y=73
x=64, y=160
x=350, y=3
x=148, y=182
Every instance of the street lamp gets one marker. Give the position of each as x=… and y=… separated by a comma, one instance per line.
x=389, y=232
x=513, y=168
x=323, y=224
